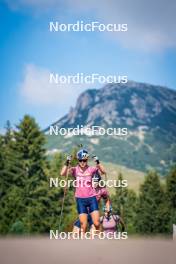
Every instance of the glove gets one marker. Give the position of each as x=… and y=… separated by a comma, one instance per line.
x=95, y=158
x=68, y=160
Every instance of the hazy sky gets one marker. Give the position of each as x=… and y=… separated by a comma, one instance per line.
x=29, y=52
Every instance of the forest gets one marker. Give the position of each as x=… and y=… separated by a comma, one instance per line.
x=30, y=206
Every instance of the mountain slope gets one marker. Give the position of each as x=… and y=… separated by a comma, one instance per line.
x=147, y=111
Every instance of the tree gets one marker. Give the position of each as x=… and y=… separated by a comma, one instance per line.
x=171, y=198
x=9, y=160
x=56, y=197
x=171, y=188
x=12, y=208
x=124, y=204
x=28, y=204
x=30, y=146
x=25, y=174
x=120, y=198
x=130, y=211
x=149, y=217
x=10, y=167
x=3, y=181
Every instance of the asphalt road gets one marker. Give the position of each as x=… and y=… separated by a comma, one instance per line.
x=45, y=251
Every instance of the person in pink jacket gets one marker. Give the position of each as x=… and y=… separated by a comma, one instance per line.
x=110, y=222
x=85, y=193
x=101, y=193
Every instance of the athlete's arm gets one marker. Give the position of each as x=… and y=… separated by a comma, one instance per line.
x=66, y=168
x=101, y=223
x=98, y=165
x=107, y=203
x=106, y=198
x=101, y=168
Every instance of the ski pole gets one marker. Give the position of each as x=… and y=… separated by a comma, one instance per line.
x=63, y=200
x=105, y=173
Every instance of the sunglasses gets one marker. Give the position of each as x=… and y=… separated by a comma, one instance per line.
x=82, y=160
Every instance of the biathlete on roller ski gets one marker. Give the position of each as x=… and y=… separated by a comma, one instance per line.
x=101, y=193
x=110, y=222
x=85, y=192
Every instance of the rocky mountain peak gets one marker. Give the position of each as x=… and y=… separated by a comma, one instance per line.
x=132, y=104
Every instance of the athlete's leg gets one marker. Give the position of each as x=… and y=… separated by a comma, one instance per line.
x=83, y=222
x=83, y=212
x=94, y=212
x=92, y=230
x=76, y=226
x=96, y=219
x=76, y=230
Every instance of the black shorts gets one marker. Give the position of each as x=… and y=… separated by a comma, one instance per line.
x=87, y=205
